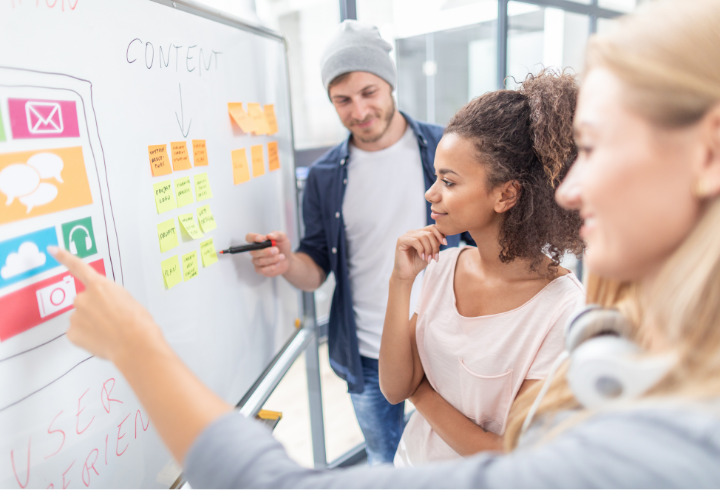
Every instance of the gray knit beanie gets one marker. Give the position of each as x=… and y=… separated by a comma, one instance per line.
x=357, y=46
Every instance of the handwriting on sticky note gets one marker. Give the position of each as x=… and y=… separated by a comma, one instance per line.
x=171, y=271
x=180, y=156
x=190, y=265
x=159, y=161
x=199, y=153
x=187, y=222
x=206, y=218
x=241, y=170
x=257, y=159
x=208, y=253
x=164, y=196
x=202, y=187
x=273, y=156
x=271, y=119
x=239, y=117
x=184, y=192
x=167, y=235
x=257, y=115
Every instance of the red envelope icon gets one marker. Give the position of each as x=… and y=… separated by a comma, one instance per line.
x=44, y=117
x=39, y=118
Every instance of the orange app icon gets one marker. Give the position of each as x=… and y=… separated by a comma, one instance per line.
x=42, y=182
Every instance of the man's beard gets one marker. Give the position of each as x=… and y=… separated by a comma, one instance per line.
x=387, y=118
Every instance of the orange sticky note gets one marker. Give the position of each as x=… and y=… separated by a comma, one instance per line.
x=241, y=171
x=159, y=161
x=238, y=115
x=258, y=161
x=257, y=115
x=271, y=119
x=199, y=153
x=273, y=156
x=180, y=156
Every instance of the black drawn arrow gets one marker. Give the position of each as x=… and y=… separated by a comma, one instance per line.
x=181, y=118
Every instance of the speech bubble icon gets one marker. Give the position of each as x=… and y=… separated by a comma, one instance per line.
x=18, y=180
x=45, y=193
x=48, y=165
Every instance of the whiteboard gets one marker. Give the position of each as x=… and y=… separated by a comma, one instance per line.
x=91, y=93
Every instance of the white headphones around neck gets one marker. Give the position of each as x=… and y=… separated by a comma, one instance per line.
x=605, y=366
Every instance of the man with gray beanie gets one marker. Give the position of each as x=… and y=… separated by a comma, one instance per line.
x=359, y=198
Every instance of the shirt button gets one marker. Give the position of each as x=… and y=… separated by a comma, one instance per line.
x=342, y=162
x=334, y=250
x=337, y=215
x=344, y=181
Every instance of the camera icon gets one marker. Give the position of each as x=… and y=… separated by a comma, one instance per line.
x=56, y=297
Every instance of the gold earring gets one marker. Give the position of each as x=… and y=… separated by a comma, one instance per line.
x=701, y=189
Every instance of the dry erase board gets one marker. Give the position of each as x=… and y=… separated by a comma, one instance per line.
x=142, y=137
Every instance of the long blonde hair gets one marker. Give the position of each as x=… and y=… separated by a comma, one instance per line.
x=666, y=56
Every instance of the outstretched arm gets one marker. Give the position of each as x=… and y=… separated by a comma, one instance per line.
x=458, y=431
x=400, y=368
x=110, y=324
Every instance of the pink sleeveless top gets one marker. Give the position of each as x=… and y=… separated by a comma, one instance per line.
x=478, y=364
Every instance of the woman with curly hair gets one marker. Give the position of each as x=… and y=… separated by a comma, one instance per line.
x=489, y=321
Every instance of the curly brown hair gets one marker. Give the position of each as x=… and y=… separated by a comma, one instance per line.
x=526, y=136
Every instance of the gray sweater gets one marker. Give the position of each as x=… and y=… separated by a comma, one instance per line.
x=660, y=448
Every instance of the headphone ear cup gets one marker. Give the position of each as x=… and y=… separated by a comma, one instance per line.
x=592, y=321
x=607, y=369
x=88, y=242
x=73, y=248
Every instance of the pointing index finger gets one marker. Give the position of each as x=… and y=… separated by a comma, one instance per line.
x=76, y=266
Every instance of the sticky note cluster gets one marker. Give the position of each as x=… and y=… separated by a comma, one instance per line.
x=241, y=168
x=160, y=163
x=257, y=120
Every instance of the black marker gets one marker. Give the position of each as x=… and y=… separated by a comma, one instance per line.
x=251, y=246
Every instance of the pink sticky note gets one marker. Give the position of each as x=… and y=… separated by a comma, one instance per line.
x=41, y=118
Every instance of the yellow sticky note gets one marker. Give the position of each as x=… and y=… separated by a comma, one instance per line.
x=184, y=192
x=190, y=265
x=180, y=156
x=206, y=218
x=208, y=253
x=187, y=222
x=202, y=187
x=239, y=117
x=257, y=115
x=199, y=153
x=241, y=170
x=273, y=156
x=258, y=161
x=271, y=119
x=171, y=272
x=167, y=235
x=164, y=196
x=159, y=161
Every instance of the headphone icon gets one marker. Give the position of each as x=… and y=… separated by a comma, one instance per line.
x=88, y=240
x=605, y=365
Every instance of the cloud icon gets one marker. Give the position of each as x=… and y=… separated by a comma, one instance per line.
x=26, y=258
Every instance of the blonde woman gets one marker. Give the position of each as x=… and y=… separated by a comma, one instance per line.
x=646, y=183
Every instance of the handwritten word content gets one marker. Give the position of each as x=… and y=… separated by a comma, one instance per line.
x=191, y=58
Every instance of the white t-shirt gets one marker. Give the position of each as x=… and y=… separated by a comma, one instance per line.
x=384, y=198
x=477, y=364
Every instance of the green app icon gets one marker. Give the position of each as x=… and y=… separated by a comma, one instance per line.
x=2, y=128
x=79, y=237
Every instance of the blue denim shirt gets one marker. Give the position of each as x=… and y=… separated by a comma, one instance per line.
x=325, y=242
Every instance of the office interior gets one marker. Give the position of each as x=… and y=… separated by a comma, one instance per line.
x=446, y=52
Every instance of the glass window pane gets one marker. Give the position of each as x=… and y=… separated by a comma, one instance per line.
x=307, y=26
x=445, y=51
x=543, y=37
x=619, y=5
